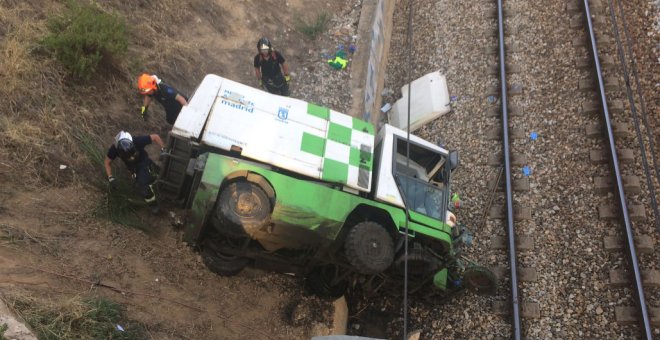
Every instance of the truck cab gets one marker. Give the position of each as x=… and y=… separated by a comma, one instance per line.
x=280, y=183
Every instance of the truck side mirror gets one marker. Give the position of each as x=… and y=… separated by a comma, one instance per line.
x=453, y=160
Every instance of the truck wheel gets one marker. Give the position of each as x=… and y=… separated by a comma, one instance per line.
x=480, y=280
x=322, y=281
x=369, y=248
x=243, y=207
x=419, y=262
x=223, y=264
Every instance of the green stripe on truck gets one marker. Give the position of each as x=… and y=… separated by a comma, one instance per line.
x=318, y=111
x=313, y=144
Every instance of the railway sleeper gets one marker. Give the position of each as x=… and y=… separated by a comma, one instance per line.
x=529, y=310
x=577, y=21
x=575, y=7
x=604, y=185
x=502, y=242
x=621, y=278
x=619, y=129
x=626, y=315
x=519, y=184
x=625, y=156
x=496, y=159
x=525, y=274
x=513, y=110
x=615, y=106
x=520, y=212
x=643, y=244
x=494, y=69
x=609, y=212
x=513, y=89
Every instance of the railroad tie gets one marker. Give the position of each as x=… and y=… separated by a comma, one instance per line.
x=502, y=242
x=621, y=278
x=519, y=184
x=610, y=212
x=629, y=315
x=497, y=159
x=525, y=274
x=619, y=129
x=604, y=185
x=643, y=244
x=626, y=156
x=530, y=310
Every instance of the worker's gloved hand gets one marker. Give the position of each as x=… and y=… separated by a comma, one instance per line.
x=113, y=182
x=143, y=113
x=163, y=154
x=287, y=78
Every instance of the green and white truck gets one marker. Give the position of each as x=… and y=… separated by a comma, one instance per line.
x=281, y=183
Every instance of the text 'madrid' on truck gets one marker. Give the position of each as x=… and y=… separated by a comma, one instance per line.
x=288, y=185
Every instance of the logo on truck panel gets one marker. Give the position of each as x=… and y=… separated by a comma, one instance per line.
x=237, y=101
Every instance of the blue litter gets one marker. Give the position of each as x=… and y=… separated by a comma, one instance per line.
x=533, y=135
x=454, y=98
x=526, y=171
x=492, y=99
x=340, y=47
x=352, y=48
x=120, y=328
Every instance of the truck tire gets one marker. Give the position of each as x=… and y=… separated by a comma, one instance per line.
x=419, y=263
x=243, y=208
x=369, y=248
x=223, y=264
x=321, y=282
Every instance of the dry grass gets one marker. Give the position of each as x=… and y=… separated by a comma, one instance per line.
x=74, y=318
x=44, y=110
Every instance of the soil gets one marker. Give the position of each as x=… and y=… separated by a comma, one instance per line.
x=55, y=245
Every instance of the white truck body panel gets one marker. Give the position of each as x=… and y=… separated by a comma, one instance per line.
x=191, y=120
x=430, y=100
x=285, y=132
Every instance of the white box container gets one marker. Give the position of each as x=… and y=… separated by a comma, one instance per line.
x=430, y=100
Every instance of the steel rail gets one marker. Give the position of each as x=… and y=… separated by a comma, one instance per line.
x=515, y=299
x=630, y=242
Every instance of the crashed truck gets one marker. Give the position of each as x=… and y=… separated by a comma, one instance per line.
x=280, y=183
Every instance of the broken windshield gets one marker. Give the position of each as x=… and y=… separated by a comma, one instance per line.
x=422, y=179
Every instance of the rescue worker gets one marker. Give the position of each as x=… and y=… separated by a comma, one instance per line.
x=271, y=69
x=152, y=87
x=131, y=150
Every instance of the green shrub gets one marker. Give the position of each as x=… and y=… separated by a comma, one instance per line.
x=314, y=28
x=3, y=329
x=84, y=36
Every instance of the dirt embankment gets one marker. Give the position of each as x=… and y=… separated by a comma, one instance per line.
x=54, y=247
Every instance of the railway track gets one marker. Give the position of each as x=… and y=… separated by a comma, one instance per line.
x=617, y=187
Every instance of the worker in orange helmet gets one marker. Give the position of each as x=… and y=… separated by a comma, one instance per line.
x=152, y=87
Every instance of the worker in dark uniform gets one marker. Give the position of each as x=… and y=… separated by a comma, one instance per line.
x=152, y=87
x=271, y=69
x=131, y=151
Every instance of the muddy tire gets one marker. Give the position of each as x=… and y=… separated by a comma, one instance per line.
x=369, y=248
x=323, y=282
x=242, y=208
x=419, y=263
x=223, y=264
x=480, y=280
